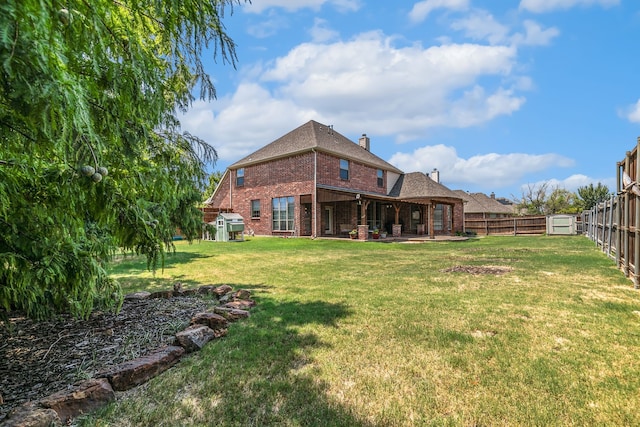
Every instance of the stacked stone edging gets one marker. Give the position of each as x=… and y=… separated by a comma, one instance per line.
x=86, y=396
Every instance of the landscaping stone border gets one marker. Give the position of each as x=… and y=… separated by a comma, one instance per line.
x=86, y=396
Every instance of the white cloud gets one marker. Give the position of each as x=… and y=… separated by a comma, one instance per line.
x=222, y=123
x=535, y=35
x=633, y=113
x=268, y=27
x=481, y=25
x=321, y=33
x=540, y=6
x=258, y=6
x=475, y=107
x=406, y=90
x=487, y=170
x=422, y=9
x=363, y=85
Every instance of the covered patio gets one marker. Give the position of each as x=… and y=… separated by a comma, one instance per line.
x=418, y=215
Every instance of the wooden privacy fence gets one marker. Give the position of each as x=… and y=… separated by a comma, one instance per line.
x=532, y=224
x=613, y=224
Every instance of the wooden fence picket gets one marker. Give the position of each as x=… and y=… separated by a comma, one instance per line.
x=614, y=225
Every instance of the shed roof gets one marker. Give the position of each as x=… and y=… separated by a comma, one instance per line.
x=231, y=216
x=313, y=135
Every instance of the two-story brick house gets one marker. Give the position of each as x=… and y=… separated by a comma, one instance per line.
x=315, y=182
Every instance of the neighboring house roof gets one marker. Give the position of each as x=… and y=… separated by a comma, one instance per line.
x=314, y=136
x=417, y=185
x=481, y=203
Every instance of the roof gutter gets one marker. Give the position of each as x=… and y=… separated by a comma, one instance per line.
x=315, y=192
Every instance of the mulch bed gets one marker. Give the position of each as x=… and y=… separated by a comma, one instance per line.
x=40, y=358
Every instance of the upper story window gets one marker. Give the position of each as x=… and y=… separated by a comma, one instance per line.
x=344, y=169
x=240, y=177
x=255, y=209
x=380, y=178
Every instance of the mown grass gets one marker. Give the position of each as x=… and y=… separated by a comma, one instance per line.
x=369, y=334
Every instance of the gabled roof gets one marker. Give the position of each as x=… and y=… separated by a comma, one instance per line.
x=314, y=136
x=481, y=203
x=215, y=190
x=416, y=185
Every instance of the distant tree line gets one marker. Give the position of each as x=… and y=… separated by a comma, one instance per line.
x=544, y=200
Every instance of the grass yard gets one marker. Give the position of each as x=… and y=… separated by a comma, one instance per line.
x=350, y=333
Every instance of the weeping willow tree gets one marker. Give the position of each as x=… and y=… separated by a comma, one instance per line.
x=92, y=158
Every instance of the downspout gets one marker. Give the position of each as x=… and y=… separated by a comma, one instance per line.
x=230, y=191
x=315, y=192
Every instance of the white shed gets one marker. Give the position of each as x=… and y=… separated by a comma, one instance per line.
x=561, y=224
x=229, y=227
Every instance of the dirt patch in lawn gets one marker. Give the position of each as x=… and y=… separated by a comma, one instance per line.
x=479, y=269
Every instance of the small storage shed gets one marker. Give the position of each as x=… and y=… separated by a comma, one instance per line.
x=229, y=227
x=561, y=224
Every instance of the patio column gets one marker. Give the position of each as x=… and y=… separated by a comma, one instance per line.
x=397, y=228
x=432, y=210
x=363, y=229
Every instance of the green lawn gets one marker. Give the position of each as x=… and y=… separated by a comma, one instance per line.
x=350, y=333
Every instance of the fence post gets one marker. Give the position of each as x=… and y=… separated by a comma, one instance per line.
x=618, y=242
x=610, y=233
x=595, y=224
x=636, y=242
x=626, y=223
x=604, y=226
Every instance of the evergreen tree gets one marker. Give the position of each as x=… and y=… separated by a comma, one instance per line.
x=562, y=201
x=92, y=158
x=591, y=195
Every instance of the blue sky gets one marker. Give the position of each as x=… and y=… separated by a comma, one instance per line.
x=499, y=96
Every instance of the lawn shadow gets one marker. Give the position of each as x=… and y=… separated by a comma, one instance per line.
x=134, y=264
x=135, y=283
x=274, y=380
x=127, y=271
x=262, y=373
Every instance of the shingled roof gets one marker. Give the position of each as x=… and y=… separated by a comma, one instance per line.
x=481, y=203
x=313, y=135
x=417, y=185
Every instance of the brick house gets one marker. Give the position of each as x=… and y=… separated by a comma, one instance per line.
x=315, y=182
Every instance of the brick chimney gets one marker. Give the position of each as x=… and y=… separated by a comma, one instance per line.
x=435, y=175
x=364, y=142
